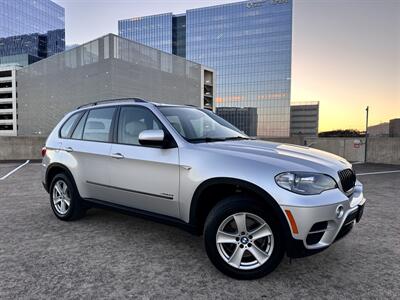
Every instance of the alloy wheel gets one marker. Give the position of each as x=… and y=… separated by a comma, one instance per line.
x=245, y=241
x=61, y=197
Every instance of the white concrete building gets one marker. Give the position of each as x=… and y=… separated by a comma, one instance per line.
x=304, y=118
x=109, y=67
x=8, y=101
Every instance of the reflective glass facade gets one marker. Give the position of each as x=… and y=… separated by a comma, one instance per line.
x=18, y=59
x=154, y=31
x=179, y=35
x=248, y=44
x=35, y=28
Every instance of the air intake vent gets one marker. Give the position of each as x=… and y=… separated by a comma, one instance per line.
x=316, y=232
x=347, y=179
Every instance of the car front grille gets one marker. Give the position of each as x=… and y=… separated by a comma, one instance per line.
x=347, y=179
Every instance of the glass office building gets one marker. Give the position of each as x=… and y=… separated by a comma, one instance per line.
x=154, y=31
x=30, y=30
x=248, y=44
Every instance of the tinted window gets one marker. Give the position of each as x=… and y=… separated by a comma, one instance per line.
x=67, y=127
x=98, y=124
x=132, y=121
x=78, y=132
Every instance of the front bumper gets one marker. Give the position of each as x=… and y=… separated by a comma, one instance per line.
x=320, y=226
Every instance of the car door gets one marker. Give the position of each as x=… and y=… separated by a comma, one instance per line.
x=144, y=177
x=88, y=150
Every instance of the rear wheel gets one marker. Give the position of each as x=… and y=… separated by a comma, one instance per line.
x=64, y=198
x=242, y=238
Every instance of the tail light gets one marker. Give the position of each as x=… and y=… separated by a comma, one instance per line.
x=44, y=151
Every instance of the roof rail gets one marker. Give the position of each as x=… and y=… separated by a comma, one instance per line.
x=137, y=100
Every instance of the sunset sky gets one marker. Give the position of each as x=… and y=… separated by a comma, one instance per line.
x=346, y=53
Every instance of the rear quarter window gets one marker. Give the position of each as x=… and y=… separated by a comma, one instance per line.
x=78, y=131
x=69, y=125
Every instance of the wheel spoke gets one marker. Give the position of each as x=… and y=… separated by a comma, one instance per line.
x=62, y=208
x=58, y=189
x=67, y=201
x=261, y=232
x=236, y=257
x=223, y=237
x=57, y=200
x=258, y=254
x=240, y=220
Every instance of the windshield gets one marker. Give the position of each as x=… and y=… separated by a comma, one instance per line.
x=200, y=125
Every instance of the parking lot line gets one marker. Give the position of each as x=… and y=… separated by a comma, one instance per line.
x=15, y=170
x=377, y=173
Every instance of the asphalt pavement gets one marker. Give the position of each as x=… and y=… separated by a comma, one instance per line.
x=109, y=255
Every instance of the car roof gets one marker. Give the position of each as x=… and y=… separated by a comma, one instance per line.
x=121, y=101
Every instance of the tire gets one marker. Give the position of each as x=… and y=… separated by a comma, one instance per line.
x=268, y=238
x=63, y=191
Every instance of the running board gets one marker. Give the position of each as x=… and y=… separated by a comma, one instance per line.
x=143, y=214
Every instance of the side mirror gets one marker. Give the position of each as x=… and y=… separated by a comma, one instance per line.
x=154, y=137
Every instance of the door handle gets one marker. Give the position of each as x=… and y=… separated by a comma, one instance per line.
x=117, y=156
x=68, y=149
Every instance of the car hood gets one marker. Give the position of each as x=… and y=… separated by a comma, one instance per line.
x=286, y=156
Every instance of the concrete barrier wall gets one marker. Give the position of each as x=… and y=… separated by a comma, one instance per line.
x=344, y=147
x=21, y=148
x=384, y=150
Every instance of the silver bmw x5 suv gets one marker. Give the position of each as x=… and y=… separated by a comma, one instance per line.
x=252, y=200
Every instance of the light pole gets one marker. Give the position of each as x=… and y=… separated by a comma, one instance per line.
x=366, y=134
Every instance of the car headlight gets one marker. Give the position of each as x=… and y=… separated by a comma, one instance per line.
x=305, y=183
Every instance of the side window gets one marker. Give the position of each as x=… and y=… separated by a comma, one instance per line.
x=67, y=127
x=98, y=124
x=132, y=121
x=78, y=132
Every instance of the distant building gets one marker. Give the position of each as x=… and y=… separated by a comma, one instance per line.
x=8, y=101
x=18, y=60
x=394, y=127
x=243, y=118
x=30, y=31
x=248, y=44
x=304, y=118
x=379, y=129
x=109, y=67
x=69, y=47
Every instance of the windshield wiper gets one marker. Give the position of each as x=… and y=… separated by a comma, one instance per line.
x=206, y=140
x=237, y=138
x=211, y=139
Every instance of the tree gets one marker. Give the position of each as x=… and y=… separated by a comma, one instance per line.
x=342, y=133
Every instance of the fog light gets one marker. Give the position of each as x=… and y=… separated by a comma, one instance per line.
x=339, y=211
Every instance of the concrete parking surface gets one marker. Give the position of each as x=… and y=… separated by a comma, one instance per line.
x=109, y=255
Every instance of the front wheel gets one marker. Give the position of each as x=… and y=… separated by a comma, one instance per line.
x=242, y=238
